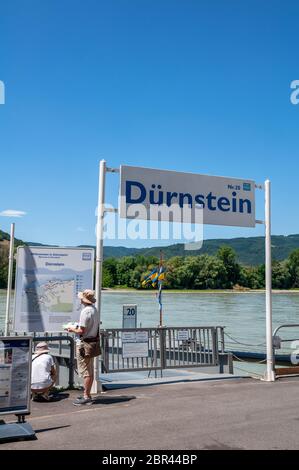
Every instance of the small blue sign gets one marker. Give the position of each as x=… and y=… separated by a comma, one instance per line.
x=86, y=256
x=246, y=186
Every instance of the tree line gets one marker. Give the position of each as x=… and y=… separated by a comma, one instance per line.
x=4, y=251
x=221, y=271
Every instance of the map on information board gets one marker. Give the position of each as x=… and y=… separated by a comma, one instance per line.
x=47, y=284
x=52, y=294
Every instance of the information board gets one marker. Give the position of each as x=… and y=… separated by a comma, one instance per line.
x=47, y=283
x=134, y=344
x=15, y=374
x=183, y=335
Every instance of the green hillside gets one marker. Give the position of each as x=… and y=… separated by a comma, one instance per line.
x=250, y=251
x=5, y=237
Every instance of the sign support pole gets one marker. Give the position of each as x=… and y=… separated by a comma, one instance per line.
x=160, y=290
x=9, y=280
x=96, y=387
x=270, y=375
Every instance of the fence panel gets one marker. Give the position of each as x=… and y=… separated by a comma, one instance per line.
x=139, y=349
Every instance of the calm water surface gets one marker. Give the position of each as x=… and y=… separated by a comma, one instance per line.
x=243, y=315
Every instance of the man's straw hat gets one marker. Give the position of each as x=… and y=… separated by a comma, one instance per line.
x=87, y=296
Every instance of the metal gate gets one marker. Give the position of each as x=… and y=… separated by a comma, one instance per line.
x=160, y=348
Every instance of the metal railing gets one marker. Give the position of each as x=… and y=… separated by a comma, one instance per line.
x=277, y=340
x=200, y=349
x=114, y=360
x=162, y=348
x=60, y=350
x=71, y=342
x=287, y=325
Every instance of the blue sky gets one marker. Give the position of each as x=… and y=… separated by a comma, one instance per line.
x=189, y=85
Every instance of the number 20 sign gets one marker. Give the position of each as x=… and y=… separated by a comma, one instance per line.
x=129, y=316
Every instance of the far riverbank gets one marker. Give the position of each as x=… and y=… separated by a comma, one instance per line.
x=197, y=291
x=127, y=290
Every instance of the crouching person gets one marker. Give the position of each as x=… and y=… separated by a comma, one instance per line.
x=43, y=373
x=88, y=343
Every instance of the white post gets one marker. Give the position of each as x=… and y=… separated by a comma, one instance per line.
x=99, y=258
x=9, y=280
x=270, y=375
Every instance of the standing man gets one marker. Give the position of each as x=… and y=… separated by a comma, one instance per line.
x=88, y=330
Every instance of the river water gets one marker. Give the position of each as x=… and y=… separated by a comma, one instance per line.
x=243, y=314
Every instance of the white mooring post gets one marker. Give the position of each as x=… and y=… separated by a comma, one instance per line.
x=270, y=374
x=96, y=387
x=9, y=280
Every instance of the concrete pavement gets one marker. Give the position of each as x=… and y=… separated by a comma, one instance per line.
x=229, y=414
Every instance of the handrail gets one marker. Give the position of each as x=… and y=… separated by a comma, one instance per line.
x=182, y=327
x=286, y=325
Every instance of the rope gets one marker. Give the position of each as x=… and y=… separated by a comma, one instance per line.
x=244, y=344
x=248, y=372
x=244, y=360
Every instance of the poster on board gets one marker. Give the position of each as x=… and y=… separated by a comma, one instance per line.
x=48, y=280
x=15, y=374
x=135, y=344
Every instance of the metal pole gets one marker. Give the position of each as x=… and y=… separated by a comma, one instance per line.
x=99, y=259
x=9, y=280
x=270, y=375
x=160, y=289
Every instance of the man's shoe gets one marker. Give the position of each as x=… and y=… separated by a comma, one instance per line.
x=82, y=401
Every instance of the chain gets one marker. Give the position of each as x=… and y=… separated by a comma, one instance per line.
x=244, y=344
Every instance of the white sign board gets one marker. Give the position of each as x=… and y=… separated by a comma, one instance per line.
x=183, y=335
x=177, y=197
x=134, y=336
x=134, y=344
x=15, y=374
x=47, y=283
x=129, y=316
x=131, y=350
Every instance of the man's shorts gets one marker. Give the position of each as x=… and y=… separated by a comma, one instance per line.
x=85, y=364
